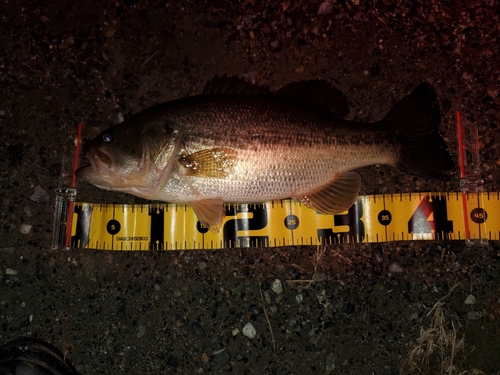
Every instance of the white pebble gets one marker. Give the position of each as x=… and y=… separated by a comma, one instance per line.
x=277, y=287
x=470, y=300
x=10, y=271
x=40, y=195
x=25, y=228
x=249, y=330
x=299, y=298
x=236, y=331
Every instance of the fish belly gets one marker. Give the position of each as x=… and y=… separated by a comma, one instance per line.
x=274, y=173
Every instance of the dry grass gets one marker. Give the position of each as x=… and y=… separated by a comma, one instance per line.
x=437, y=343
x=438, y=349
x=317, y=258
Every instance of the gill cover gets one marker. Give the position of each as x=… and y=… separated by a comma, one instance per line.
x=128, y=157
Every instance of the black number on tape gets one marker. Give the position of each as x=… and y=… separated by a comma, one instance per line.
x=478, y=215
x=351, y=219
x=157, y=228
x=258, y=221
x=440, y=225
x=291, y=222
x=113, y=226
x=82, y=233
x=384, y=217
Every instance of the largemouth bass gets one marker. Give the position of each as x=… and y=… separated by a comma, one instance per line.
x=241, y=143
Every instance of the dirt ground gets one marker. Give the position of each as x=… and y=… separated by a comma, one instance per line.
x=365, y=308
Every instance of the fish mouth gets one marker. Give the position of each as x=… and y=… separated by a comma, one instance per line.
x=102, y=164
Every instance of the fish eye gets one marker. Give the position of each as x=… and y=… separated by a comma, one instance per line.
x=107, y=138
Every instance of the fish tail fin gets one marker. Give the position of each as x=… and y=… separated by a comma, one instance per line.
x=416, y=119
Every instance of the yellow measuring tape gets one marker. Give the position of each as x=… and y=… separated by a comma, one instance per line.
x=373, y=218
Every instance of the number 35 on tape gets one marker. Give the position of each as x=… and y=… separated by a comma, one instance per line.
x=373, y=218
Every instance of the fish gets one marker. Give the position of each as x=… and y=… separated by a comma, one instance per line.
x=238, y=142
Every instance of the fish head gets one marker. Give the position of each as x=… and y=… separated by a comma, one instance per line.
x=131, y=158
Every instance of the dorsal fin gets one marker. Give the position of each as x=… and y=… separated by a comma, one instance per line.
x=317, y=94
x=233, y=86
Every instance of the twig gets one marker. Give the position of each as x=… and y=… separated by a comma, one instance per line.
x=149, y=58
x=300, y=281
x=267, y=318
x=442, y=298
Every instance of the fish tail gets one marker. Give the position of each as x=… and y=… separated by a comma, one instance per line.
x=416, y=119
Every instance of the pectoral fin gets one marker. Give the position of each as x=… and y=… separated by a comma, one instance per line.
x=215, y=162
x=210, y=212
x=336, y=196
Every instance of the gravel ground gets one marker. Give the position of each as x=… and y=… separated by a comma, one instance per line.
x=343, y=309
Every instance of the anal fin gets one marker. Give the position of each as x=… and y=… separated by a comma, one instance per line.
x=210, y=212
x=334, y=197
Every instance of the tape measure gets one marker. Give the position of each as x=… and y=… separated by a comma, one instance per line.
x=373, y=218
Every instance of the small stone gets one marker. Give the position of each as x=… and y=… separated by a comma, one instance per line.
x=235, y=331
x=25, y=228
x=267, y=297
x=470, y=300
x=277, y=287
x=141, y=332
x=10, y=271
x=197, y=329
x=300, y=69
x=395, y=267
x=493, y=93
x=275, y=46
x=27, y=211
x=474, y=315
x=40, y=195
x=299, y=298
x=249, y=330
x=325, y=8
x=110, y=32
x=204, y=358
x=220, y=356
x=330, y=362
